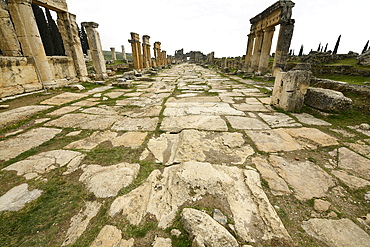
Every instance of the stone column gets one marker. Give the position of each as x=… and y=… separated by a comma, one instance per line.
x=96, y=50
x=248, y=56
x=257, y=51
x=290, y=88
x=29, y=36
x=9, y=43
x=124, y=57
x=164, y=58
x=158, y=53
x=136, y=51
x=283, y=45
x=223, y=63
x=113, y=51
x=146, y=52
x=72, y=44
x=266, y=48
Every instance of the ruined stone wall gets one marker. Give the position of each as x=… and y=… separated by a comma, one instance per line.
x=17, y=75
x=62, y=67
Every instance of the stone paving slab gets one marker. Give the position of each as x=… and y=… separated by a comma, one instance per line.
x=20, y=113
x=63, y=98
x=207, y=108
x=176, y=124
x=246, y=123
x=251, y=107
x=16, y=198
x=136, y=124
x=14, y=146
x=194, y=145
x=277, y=119
x=45, y=162
x=310, y=120
x=85, y=121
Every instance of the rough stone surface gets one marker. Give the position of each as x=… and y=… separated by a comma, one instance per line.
x=337, y=233
x=16, y=198
x=162, y=242
x=176, y=124
x=20, y=114
x=277, y=119
x=80, y=222
x=109, y=236
x=136, y=124
x=246, y=123
x=351, y=181
x=219, y=217
x=204, y=231
x=354, y=163
x=11, y=148
x=307, y=179
x=130, y=139
x=364, y=59
x=163, y=193
x=45, y=162
x=200, y=146
x=92, y=141
x=276, y=184
x=63, y=98
x=310, y=120
x=63, y=110
x=321, y=205
x=84, y=121
x=327, y=100
x=106, y=181
x=306, y=136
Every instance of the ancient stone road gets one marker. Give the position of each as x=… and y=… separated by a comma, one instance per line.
x=266, y=177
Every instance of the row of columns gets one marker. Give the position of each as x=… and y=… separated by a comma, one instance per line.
x=114, y=55
x=142, y=56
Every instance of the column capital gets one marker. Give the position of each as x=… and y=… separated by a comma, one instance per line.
x=90, y=24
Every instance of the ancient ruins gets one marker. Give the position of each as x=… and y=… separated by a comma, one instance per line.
x=184, y=150
x=261, y=35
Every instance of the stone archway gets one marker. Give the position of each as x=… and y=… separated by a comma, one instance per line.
x=261, y=35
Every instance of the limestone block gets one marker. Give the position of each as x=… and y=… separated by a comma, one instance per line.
x=12, y=90
x=31, y=87
x=290, y=88
x=20, y=113
x=337, y=233
x=364, y=59
x=327, y=100
x=16, y=198
x=205, y=231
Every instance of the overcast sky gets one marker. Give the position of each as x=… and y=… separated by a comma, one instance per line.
x=223, y=25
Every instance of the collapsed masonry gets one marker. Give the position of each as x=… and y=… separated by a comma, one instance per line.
x=261, y=35
x=24, y=65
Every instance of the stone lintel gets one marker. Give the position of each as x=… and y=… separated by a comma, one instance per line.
x=90, y=24
x=135, y=36
x=55, y=5
x=133, y=41
x=284, y=5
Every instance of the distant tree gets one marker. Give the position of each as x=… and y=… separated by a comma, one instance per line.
x=83, y=38
x=335, y=51
x=365, y=48
x=55, y=34
x=301, y=51
x=322, y=49
x=326, y=47
x=44, y=30
x=293, y=52
x=319, y=48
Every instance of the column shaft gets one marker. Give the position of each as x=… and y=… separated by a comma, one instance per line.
x=283, y=45
x=248, y=56
x=257, y=51
x=266, y=48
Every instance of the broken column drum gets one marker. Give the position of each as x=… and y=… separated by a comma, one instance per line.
x=261, y=35
x=96, y=50
x=136, y=51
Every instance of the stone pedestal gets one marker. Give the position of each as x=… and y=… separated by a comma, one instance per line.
x=72, y=44
x=136, y=51
x=290, y=89
x=113, y=52
x=29, y=36
x=124, y=57
x=96, y=50
x=146, y=52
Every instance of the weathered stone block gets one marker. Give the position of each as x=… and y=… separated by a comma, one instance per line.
x=290, y=88
x=8, y=91
x=327, y=100
x=364, y=59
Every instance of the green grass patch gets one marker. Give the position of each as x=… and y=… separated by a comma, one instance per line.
x=351, y=79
